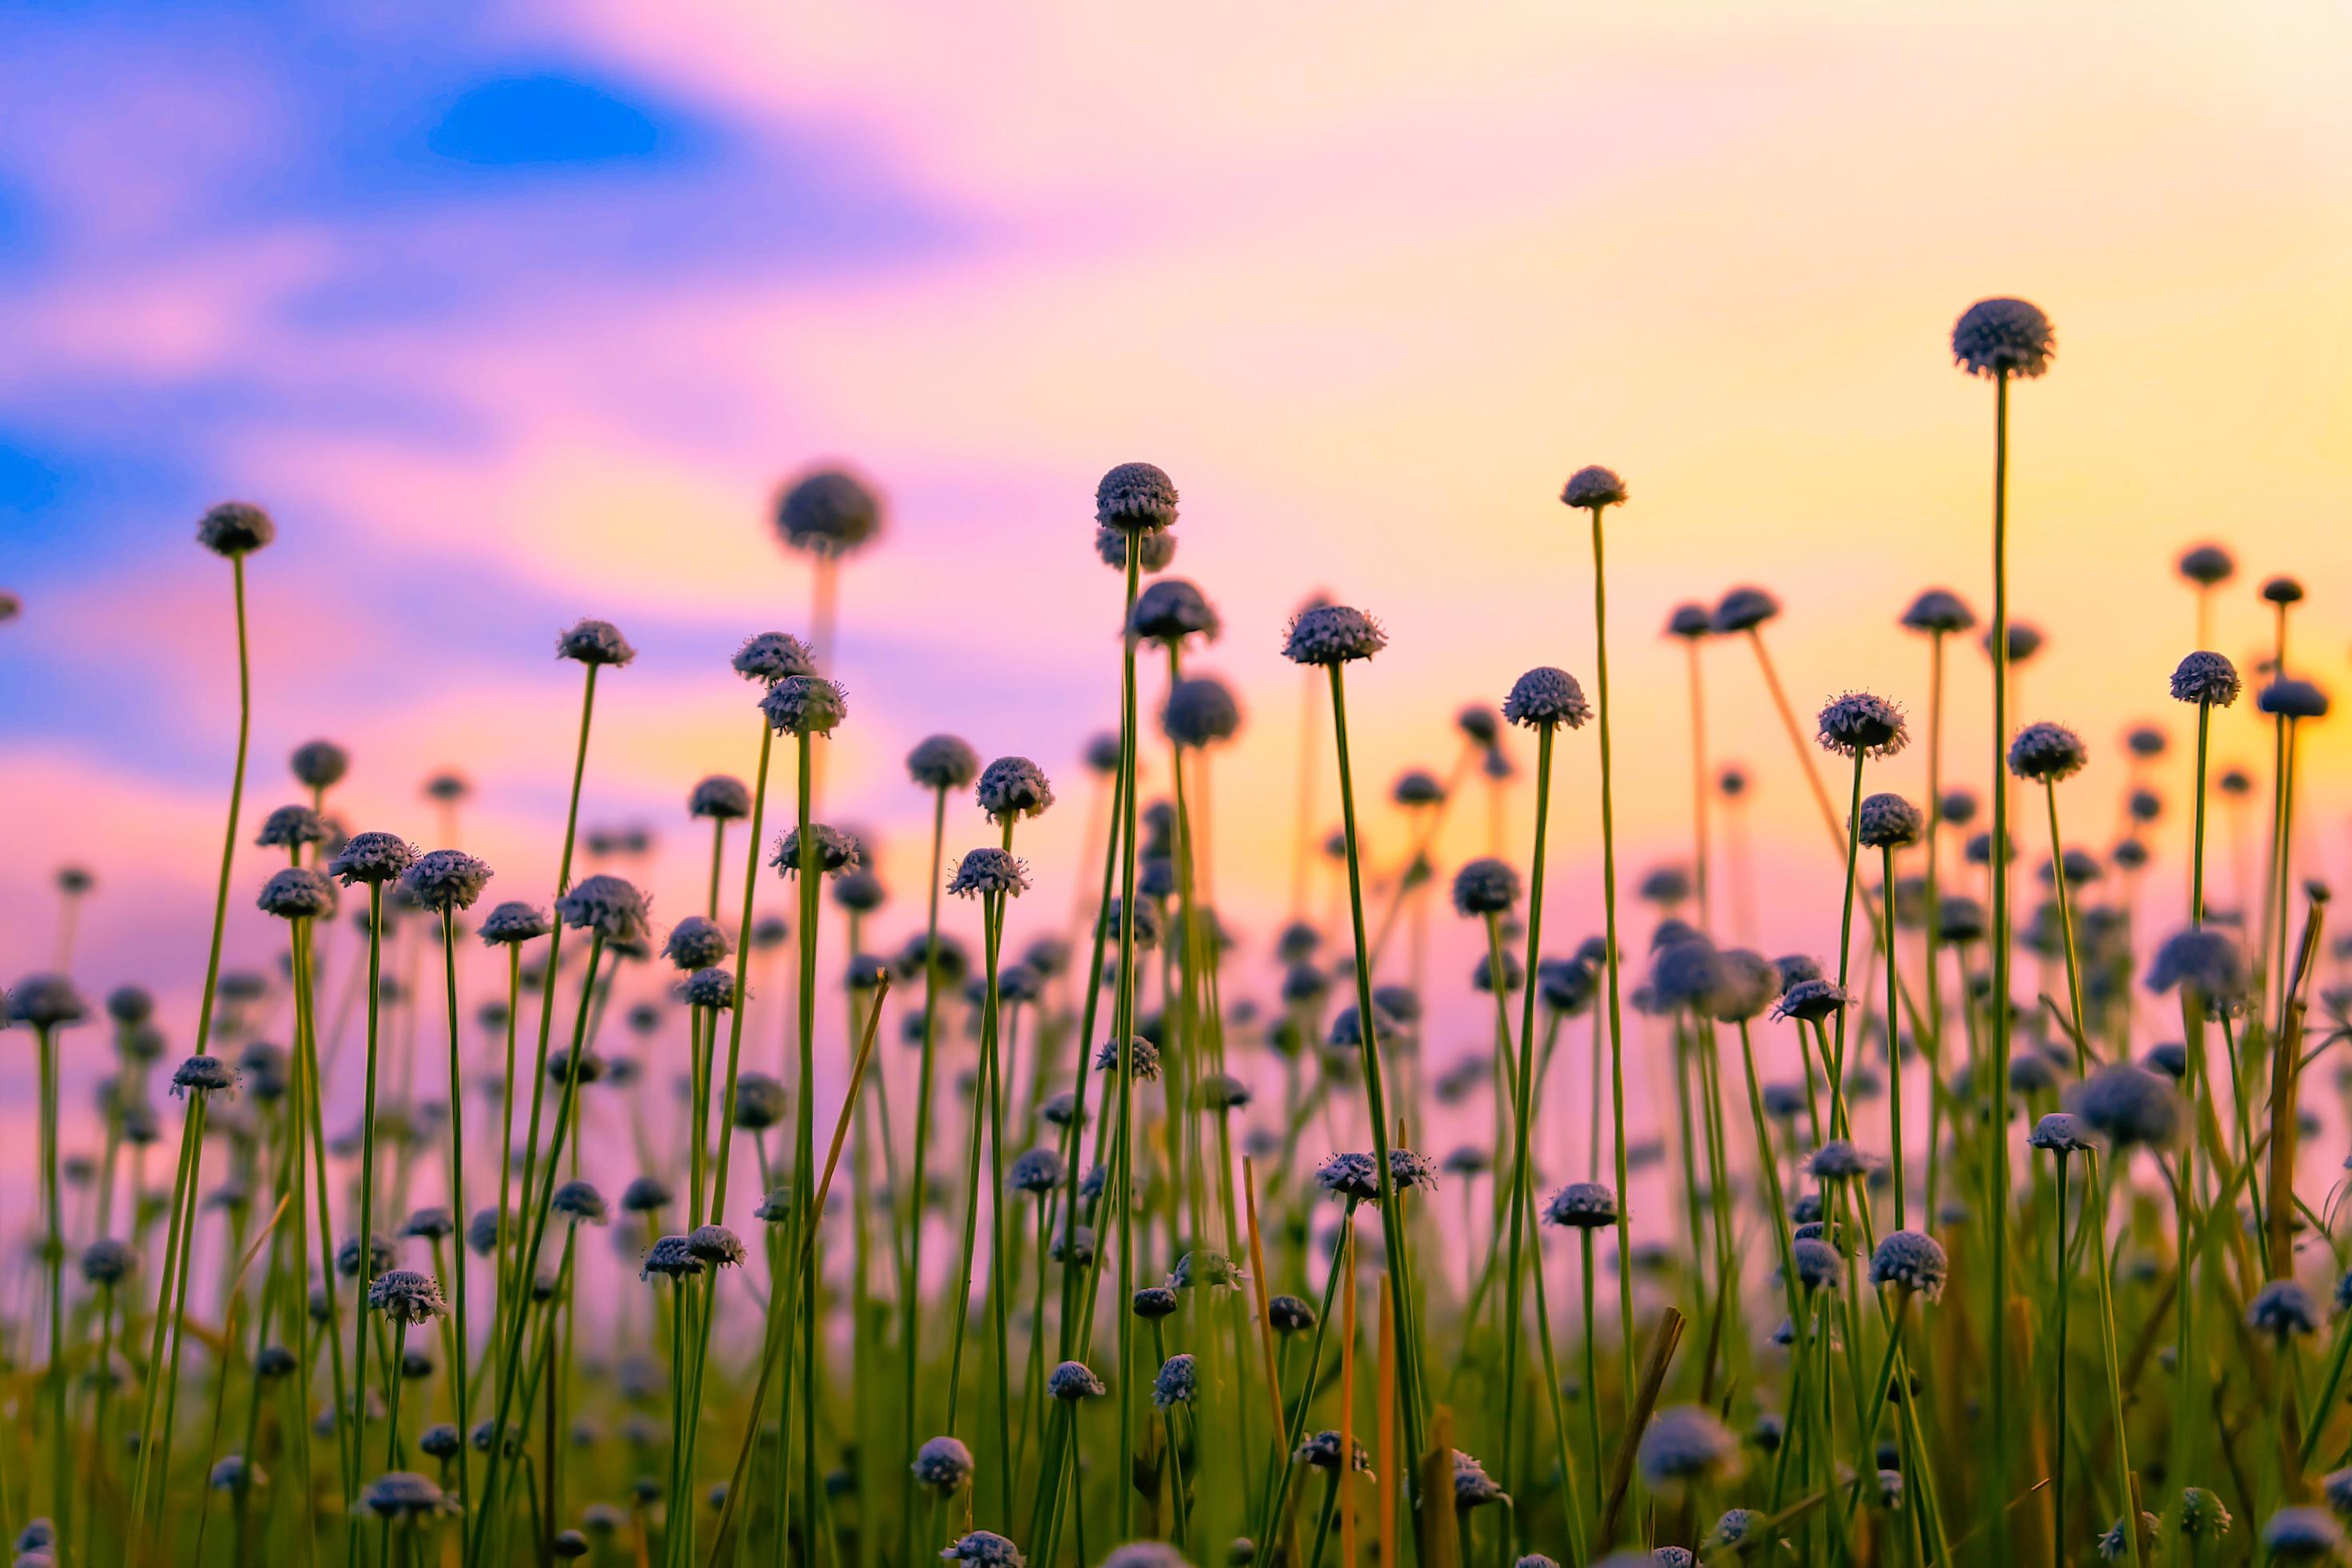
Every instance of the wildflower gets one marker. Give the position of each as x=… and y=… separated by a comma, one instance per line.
x=1224, y=1091
x=2201, y=960
x=1473, y=1487
x=202, y=1075
x=719, y=798
x=404, y=1495
x=1858, y=724
x=2303, y=1535
x=942, y=1464
x=2003, y=337
x=716, y=1245
x=1355, y=1177
x=1037, y=1170
x=319, y=764
x=2045, y=753
x=805, y=705
x=2282, y=591
x=2127, y=1104
x=1332, y=635
x=1683, y=1444
x=1322, y=1451
x=1200, y=711
x=234, y=528
x=1013, y=787
x=373, y=859
x=1819, y=1265
x=942, y=762
x=1143, y=1058
x=695, y=943
x=1591, y=487
x=581, y=1203
x=1486, y=887
x=1289, y=1315
x=1135, y=499
x=1685, y=974
x=595, y=643
x=671, y=1257
x=513, y=922
x=607, y=905
x=2207, y=565
x=2282, y=1307
x=775, y=1207
x=1409, y=1171
x=445, y=880
x=1910, y=1261
x=296, y=893
x=1887, y=821
x=2062, y=1133
x=2207, y=678
x=1073, y=1381
x=983, y=1549
x=1690, y=622
x=1582, y=1206
x=1152, y=1302
x=836, y=852
x=407, y=1296
x=1938, y=611
x=1544, y=699
x=2336, y=1488
x=109, y=1262
x=1568, y=985
x=1811, y=1001
x=1745, y=985
x=1173, y=609
x=2289, y=699
x=1144, y=1554
x=990, y=872
x=1177, y=1381
x=1838, y=1161
x=828, y=513
x=772, y=657
x=1743, y=609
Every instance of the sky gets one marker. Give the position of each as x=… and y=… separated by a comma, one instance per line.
x=513, y=313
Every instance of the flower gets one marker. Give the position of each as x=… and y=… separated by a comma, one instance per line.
x=1691, y=621
x=942, y=762
x=2062, y=1133
x=1332, y=635
x=1686, y=1443
x=1013, y=787
x=1200, y=711
x=1173, y=609
x=2282, y=1307
x=234, y=528
x=2207, y=565
x=1743, y=609
x=1582, y=1206
x=2127, y=1104
x=1486, y=887
x=107, y=1261
x=2003, y=337
x=1143, y=1057
x=2202, y=959
x=1289, y=1315
x=1178, y=1380
x=202, y=1075
x=594, y=643
x=1910, y=1261
x=1545, y=698
x=1039, y=1169
x=696, y=942
x=290, y=827
x=2283, y=591
x=828, y=513
x=2045, y=753
x=770, y=657
x=2208, y=678
x=1591, y=487
x=721, y=798
x=1811, y=1001
x=984, y=1548
x=1152, y=1302
x=942, y=1464
x=716, y=1245
x=836, y=851
x=1938, y=611
x=407, y=1296
x=46, y=1002
x=1819, y=1265
x=671, y=1257
x=1144, y=1554
x=805, y=705
x=513, y=922
x=761, y=1102
x=1745, y=985
x=1073, y=1381
x=319, y=764
x=1322, y=1451
x=1858, y=724
x=1355, y=1177
x=2286, y=698
x=582, y=1204
x=1473, y=1487
x=1838, y=1161
x=373, y=859
x=2303, y=1535
x=296, y=893
x=1135, y=498
x=446, y=880
x=404, y=1495
x=990, y=872
x=1887, y=821
x=609, y=906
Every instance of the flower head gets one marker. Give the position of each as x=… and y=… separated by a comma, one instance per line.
x=805, y=705
x=319, y=764
x=1582, y=1206
x=2203, y=959
x=1486, y=887
x=2003, y=337
x=983, y=1549
x=1544, y=699
x=1073, y=1381
x=1683, y=1444
x=595, y=643
x=836, y=851
x=828, y=513
x=696, y=942
x=1591, y=487
x=2062, y=1133
x=202, y=1075
x=1887, y=821
x=1013, y=787
x=1473, y=1487
x=1332, y=635
x=990, y=872
x=296, y=893
x=2281, y=1309
x=1858, y=724
x=2202, y=1516
x=1178, y=1380
x=404, y=1495
x=1143, y=1058
x=234, y=528
x=446, y=880
x=772, y=657
x=1135, y=498
x=1819, y=1265
x=2127, y=1104
x=1939, y=611
x=1173, y=609
x=1838, y=1161
x=716, y=1245
x=2287, y=698
x=761, y=1102
x=107, y=1261
x=1743, y=609
x=291, y=827
x=2303, y=1535
x=407, y=1296
x=2207, y=565
x=670, y=1258
x=1200, y=711
x=1355, y=1177
x=1910, y=1261
x=942, y=1464
x=2045, y=753
x=581, y=1203
x=2206, y=678
x=1811, y=1001
x=1323, y=1450
x=942, y=762
x=1153, y=552
x=609, y=906
x=1038, y=1170
x=721, y=798
x=46, y=1002
x=373, y=859
x=512, y=922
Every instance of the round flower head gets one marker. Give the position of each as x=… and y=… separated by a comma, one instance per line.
x=2127, y=1104
x=1135, y=498
x=2202, y=1516
x=942, y=1464
x=609, y=906
x=1686, y=975
x=513, y=922
x=695, y=943
x=990, y=872
x=1486, y=887
x=404, y=1495
x=645, y=1195
x=1745, y=609
x=234, y=528
x=1684, y=1444
x=2045, y=753
x=1039, y=1169
x=942, y=762
x=2303, y=1535
x=761, y=1102
x=1200, y=711
x=1582, y=1206
x=1153, y=552
x=444, y=880
x=1144, y=1554
x=716, y=1246
x=296, y=893
x=2281, y=1309
x=1938, y=611
x=1811, y=1001
x=1838, y=1161
x=1143, y=1058
x=670, y=1258
x=2062, y=1133
x=107, y=1261
x=1910, y=1261
x=582, y=1204
x=2206, y=678
x=441, y=1440
x=1152, y=1302
x=1224, y=1091
x=1889, y=821
x=1568, y=985
x=319, y=764
x=1473, y=1487
x=770, y=657
x=805, y=705
x=407, y=1296
x=828, y=513
x=372, y=857
x=1858, y=724
x=290, y=827
x=1073, y=1381
x=595, y=643
x=1591, y=487
x=2202, y=959
x=1178, y=1380
x=202, y=1075
x=776, y=1207
x=1332, y=635
x=1173, y=609
x=983, y=1549
x=1544, y=699
x=836, y=851
x=2282, y=591
x=1689, y=622
x=1819, y=1265
x=1745, y=983
x=2289, y=699
x=721, y=798
x=2002, y=337
x=1013, y=787
x=1324, y=1448
x=2207, y=565
x=1355, y=1177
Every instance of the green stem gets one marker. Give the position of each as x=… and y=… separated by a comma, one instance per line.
x=459, y=1374
x=1996, y=1144
x=1616, y=1014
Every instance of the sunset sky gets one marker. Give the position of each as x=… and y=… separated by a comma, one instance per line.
x=513, y=313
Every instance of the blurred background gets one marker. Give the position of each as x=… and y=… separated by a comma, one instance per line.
x=513, y=313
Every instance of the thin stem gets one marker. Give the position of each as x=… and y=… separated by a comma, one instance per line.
x=1610, y=961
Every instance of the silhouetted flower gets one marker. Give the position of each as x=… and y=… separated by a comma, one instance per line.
x=828, y=513
x=1135, y=498
x=595, y=643
x=2003, y=337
